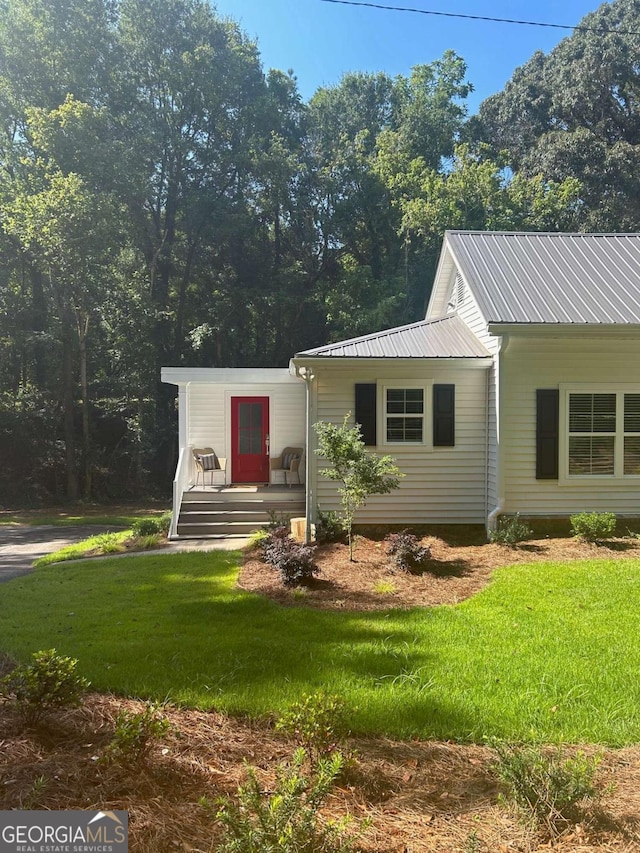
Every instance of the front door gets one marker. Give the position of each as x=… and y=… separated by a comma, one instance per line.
x=250, y=439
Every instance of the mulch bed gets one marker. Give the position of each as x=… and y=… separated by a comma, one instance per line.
x=458, y=570
x=419, y=796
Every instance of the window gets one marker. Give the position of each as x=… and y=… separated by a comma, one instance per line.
x=603, y=434
x=404, y=415
x=592, y=429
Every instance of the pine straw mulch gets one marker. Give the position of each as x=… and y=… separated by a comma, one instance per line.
x=419, y=796
x=461, y=565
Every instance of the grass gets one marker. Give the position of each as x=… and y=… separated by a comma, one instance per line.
x=546, y=652
x=115, y=517
x=103, y=543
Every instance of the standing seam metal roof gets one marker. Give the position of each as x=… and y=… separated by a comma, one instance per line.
x=447, y=337
x=521, y=277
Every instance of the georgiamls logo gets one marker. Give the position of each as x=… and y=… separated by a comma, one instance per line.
x=63, y=831
x=111, y=815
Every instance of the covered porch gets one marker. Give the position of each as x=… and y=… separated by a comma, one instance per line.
x=242, y=449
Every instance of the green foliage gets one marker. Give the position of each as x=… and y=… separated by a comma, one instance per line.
x=359, y=472
x=151, y=525
x=276, y=520
x=318, y=721
x=103, y=543
x=293, y=560
x=287, y=819
x=258, y=539
x=146, y=543
x=593, y=526
x=46, y=684
x=109, y=543
x=382, y=587
x=510, y=531
x=329, y=527
x=547, y=787
x=407, y=553
x=571, y=114
x=135, y=734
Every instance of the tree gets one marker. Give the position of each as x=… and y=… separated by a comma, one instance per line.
x=576, y=113
x=359, y=472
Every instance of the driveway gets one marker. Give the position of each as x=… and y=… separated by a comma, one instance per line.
x=21, y=544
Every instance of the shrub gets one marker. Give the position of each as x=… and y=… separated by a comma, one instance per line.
x=144, y=543
x=318, y=722
x=285, y=820
x=293, y=560
x=406, y=552
x=593, y=526
x=135, y=734
x=145, y=527
x=276, y=520
x=48, y=683
x=109, y=543
x=258, y=539
x=510, y=531
x=546, y=788
x=330, y=528
x=358, y=472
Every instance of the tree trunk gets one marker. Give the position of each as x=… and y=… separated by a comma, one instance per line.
x=83, y=328
x=69, y=427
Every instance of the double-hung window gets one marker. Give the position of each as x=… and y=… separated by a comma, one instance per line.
x=404, y=415
x=603, y=433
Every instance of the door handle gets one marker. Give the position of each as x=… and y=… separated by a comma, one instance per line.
x=267, y=443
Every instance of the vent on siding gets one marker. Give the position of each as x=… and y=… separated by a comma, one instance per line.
x=457, y=294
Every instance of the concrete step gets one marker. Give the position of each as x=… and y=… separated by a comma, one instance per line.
x=263, y=507
x=220, y=528
x=272, y=494
x=256, y=518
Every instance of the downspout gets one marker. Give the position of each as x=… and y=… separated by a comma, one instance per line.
x=307, y=375
x=492, y=518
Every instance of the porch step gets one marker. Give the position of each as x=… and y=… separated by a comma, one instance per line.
x=218, y=529
x=215, y=514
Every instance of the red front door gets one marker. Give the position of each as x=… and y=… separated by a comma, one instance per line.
x=249, y=439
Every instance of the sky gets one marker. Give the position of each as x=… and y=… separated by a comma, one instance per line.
x=322, y=41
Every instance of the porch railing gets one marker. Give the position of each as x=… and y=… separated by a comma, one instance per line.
x=181, y=481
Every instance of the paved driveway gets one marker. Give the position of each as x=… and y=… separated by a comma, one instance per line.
x=21, y=544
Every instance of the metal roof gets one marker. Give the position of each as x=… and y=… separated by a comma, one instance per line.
x=447, y=337
x=551, y=278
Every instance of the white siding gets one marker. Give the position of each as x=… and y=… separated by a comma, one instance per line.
x=469, y=312
x=209, y=414
x=442, y=484
x=531, y=363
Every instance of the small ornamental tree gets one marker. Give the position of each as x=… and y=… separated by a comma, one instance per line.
x=359, y=472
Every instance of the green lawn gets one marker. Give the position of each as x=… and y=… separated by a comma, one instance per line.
x=547, y=651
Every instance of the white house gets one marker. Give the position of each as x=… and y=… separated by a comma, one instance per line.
x=518, y=392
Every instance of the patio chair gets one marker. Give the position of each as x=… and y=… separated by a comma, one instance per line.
x=290, y=462
x=207, y=461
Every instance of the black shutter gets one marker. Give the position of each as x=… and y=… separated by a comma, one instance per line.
x=547, y=433
x=444, y=415
x=366, y=411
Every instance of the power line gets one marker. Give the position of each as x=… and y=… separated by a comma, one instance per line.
x=482, y=18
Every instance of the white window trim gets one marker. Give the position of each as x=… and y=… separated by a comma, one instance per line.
x=427, y=415
x=619, y=389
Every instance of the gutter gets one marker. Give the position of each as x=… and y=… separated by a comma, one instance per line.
x=307, y=375
x=492, y=518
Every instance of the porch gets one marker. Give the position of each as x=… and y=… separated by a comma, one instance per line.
x=235, y=510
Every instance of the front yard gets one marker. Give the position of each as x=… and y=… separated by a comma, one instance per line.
x=546, y=651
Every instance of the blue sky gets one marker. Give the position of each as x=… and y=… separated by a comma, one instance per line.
x=321, y=41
